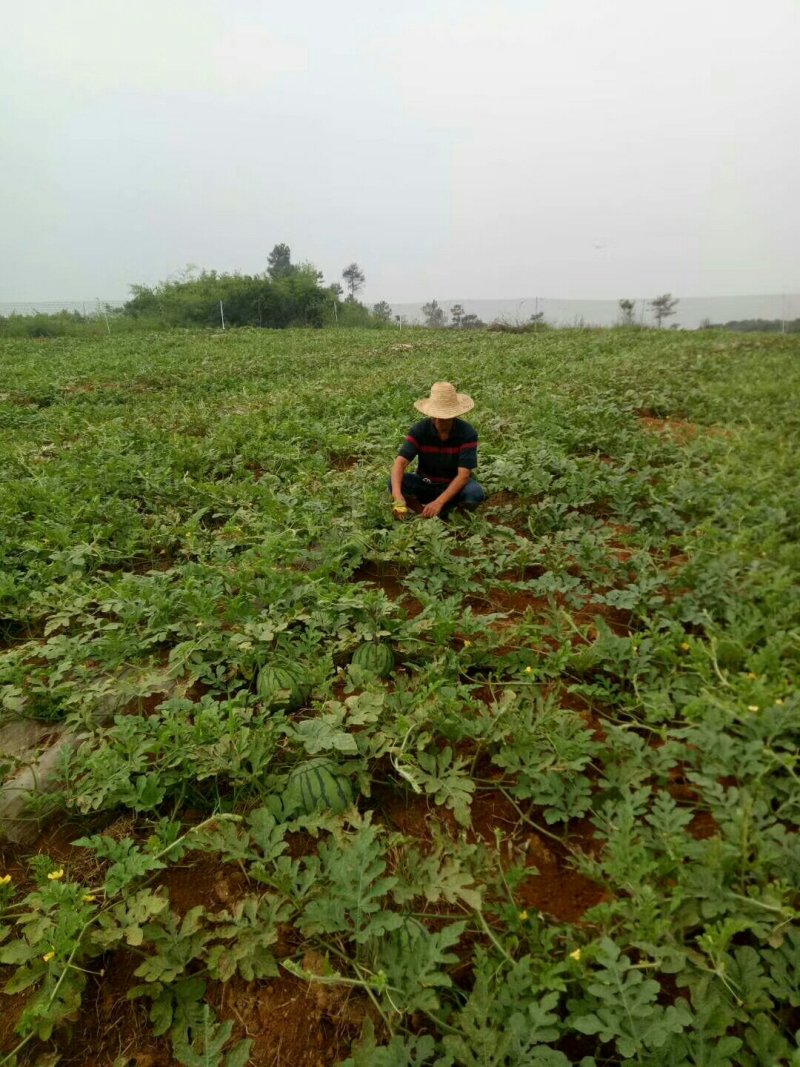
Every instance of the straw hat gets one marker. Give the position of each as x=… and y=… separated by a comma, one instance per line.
x=444, y=402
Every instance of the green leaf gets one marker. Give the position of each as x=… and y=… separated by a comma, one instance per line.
x=324, y=734
x=491, y=1037
x=768, y=1045
x=352, y=889
x=414, y=961
x=444, y=778
x=400, y=1052
x=623, y=1006
x=202, y=1044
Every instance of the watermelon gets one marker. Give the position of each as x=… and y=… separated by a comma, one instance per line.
x=282, y=686
x=318, y=785
x=375, y=658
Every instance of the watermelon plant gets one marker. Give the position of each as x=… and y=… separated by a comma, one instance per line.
x=517, y=789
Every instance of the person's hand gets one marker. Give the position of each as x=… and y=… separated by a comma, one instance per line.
x=430, y=511
x=400, y=511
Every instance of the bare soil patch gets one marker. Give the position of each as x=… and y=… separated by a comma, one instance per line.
x=389, y=578
x=679, y=430
x=501, y=499
x=617, y=619
x=552, y=886
x=343, y=462
x=510, y=601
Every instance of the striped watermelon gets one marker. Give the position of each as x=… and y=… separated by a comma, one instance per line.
x=282, y=686
x=374, y=657
x=318, y=785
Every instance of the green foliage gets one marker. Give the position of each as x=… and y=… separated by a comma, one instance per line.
x=758, y=325
x=352, y=898
x=620, y=1005
x=288, y=296
x=592, y=697
x=443, y=777
x=506, y=1027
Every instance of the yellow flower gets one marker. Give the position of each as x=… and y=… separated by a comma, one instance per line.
x=576, y=955
x=90, y=898
x=48, y=956
x=523, y=915
x=467, y=643
x=55, y=876
x=529, y=670
x=685, y=646
x=752, y=676
x=7, y=877
x=752, y=707
x=779, y=702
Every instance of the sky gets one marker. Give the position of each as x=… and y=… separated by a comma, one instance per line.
x=453, y=148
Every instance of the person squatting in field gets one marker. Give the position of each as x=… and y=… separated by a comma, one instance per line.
x=447, y=448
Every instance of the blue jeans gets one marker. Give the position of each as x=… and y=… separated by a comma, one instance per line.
x=413, y=485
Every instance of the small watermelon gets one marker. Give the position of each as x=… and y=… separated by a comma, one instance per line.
x=282, y=686
x=318, y=785
x=375, y=658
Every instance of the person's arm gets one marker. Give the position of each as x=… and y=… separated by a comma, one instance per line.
x=453, y=489
x=398, y=470
x=406, y=454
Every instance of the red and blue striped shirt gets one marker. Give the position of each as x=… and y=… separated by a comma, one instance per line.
x=439, y=460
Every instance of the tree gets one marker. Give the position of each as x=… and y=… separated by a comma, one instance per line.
x=626, y=307
x=434, y=315
x=472, y=322
x=279, y=262
x=307, y=268
x=382, y=311
x=295, y=299
x=457, y=315
x=663, y=306
x=354, y=279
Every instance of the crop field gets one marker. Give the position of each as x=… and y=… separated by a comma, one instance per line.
x=306, y=786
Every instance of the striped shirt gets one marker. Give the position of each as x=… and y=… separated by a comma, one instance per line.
x=439, y=460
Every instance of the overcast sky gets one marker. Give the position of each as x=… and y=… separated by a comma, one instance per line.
x=453, y=148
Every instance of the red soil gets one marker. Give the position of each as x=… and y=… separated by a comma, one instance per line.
x=679, y=429
x=552, y=885
x=389, y=578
